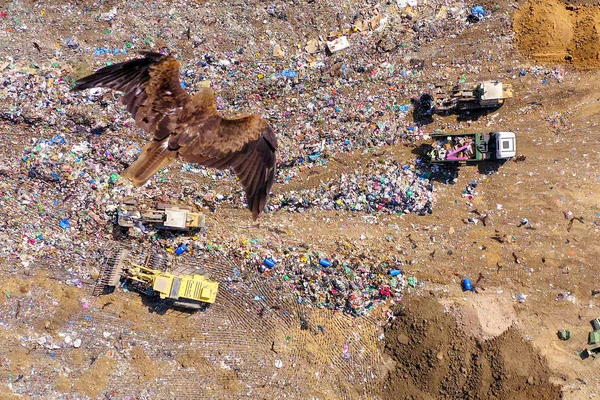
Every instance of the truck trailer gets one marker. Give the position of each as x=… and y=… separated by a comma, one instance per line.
x=472, y=147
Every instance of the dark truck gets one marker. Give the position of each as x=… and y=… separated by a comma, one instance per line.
x=467, y=147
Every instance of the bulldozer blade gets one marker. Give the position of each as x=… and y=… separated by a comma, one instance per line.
x=157, y=261
x=110, y=273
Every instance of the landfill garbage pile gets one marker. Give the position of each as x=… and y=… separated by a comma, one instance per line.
x=70, y=194
x=386, y=186
x=354, y=289
x=323, y=106
x=352, y=280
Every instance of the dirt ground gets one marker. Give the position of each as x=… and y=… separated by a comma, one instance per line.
x=555, y=31
x=499, y=342
x=436, y=359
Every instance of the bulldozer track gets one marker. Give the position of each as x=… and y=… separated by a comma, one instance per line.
x=256, y=332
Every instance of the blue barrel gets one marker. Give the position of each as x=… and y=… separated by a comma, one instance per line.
x=466, y=284
x=324, y=262
x=269, y=262
x=395, y=272
x=181, y=249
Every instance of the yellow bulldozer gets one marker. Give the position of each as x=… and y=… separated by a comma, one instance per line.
x=184, y=287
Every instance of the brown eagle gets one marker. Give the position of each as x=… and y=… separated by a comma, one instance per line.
x=189, y=126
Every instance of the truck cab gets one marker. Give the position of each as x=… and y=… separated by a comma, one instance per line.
x=505, y=145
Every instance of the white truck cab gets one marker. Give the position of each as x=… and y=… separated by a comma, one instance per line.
x=506, y=145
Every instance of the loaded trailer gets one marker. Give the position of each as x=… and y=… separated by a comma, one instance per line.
x=472, y=147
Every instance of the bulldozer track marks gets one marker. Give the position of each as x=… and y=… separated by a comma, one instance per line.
x=257, y=330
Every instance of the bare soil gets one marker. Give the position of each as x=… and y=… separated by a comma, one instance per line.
x=436, y=359
x=557, y=31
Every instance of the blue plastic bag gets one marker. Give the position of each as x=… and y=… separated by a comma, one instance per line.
x=478, y=12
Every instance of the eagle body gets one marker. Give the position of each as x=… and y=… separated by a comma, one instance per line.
x=189, y=126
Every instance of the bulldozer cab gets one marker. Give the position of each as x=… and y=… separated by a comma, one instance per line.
x=182, y=219
x=491, y=91
x=175, y=218
x=195, y=220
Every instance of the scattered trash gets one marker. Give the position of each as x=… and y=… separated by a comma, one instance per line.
x=109, y=16
x=338, y=44
x=381, y=187
x=466, y=284
x=471, y=190
x=478, y=12
x=405, y=3
x=269, y=262
x=346, y=353
x=324, y=262
x=181, y=249
x=566, y=296
x=278, y=52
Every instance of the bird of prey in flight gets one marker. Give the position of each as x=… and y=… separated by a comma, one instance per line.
x=189, y=126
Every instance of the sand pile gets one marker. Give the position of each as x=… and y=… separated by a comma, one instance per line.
x=553, y=31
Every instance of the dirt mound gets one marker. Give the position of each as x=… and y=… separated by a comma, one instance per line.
x=552, y=31
x=437, y=360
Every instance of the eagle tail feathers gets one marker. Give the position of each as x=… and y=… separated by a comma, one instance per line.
x=155, y=155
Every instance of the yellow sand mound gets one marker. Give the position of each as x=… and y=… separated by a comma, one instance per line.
x=552, y=31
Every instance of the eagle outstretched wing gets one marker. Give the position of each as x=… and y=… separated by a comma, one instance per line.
x=189, y=126
x=153, y=92
x=246, y=144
